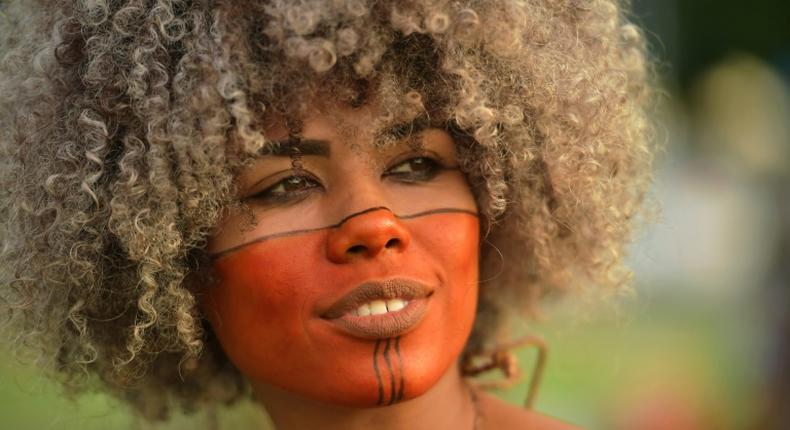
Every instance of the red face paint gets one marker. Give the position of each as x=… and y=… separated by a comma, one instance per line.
x=325, y=243
x=270, y=308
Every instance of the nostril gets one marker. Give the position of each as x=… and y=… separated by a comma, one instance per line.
x=366, y=235
x=357, y=249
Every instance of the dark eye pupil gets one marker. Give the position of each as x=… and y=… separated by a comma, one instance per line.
x=418, y=169
x=294, y=183
x=419, y=164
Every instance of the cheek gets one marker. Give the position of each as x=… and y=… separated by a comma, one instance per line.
x=264, y=312
x=262, y=301
x=451, y=243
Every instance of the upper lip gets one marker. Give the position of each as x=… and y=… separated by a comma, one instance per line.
x=377, y=290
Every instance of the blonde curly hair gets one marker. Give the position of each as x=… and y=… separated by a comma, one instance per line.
x=124, y=123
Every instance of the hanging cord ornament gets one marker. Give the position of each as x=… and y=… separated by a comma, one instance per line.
x=503, y=358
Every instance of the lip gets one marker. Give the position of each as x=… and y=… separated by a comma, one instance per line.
x=386, y=325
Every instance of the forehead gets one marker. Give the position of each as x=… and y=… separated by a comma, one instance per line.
x=319, y=119
x=366, y=126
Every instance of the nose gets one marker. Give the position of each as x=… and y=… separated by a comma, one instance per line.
x=367, y=234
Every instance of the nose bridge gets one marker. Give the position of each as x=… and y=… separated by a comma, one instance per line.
x=367, y=234
x=361, y=192
x=369, y=225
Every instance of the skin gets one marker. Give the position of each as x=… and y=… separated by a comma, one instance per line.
x=358, y=214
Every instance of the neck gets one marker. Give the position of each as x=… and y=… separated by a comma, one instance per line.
x=447, y=405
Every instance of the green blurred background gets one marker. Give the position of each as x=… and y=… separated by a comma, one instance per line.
x=703, y=343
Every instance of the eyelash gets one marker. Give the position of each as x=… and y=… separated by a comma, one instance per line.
x=433, y=168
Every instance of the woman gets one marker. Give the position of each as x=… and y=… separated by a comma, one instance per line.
x=313, y=203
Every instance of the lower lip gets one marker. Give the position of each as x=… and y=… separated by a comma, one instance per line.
x=384, y=326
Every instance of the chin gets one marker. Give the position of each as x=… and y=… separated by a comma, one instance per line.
x=392, y=371
x=334, y=368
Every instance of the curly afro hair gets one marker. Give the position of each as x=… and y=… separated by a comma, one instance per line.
x=123, y=124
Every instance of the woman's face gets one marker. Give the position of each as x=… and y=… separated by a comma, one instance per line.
x=356, y=282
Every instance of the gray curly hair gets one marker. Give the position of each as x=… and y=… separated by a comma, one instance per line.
x=124, y=123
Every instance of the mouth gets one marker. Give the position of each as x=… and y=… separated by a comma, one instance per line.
x=378, y=310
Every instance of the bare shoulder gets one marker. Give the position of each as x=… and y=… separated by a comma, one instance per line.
x=497, y=414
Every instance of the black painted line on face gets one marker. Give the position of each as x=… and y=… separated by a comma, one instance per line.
x=392, y=374
x=378, y=373
x=264, y=238
x=400, y=369
x=362, y=212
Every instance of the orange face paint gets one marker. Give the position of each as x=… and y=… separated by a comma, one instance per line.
x=284, y=307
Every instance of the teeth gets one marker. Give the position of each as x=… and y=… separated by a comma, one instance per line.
x=395, y=305
x=379, y=307
x=363, y=310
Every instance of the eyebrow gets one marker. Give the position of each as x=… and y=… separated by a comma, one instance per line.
x=289, y=147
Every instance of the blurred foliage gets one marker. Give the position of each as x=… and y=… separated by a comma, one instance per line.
x=690, y=36
x=710, y=29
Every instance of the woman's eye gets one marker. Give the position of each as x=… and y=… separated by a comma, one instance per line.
x=416, y=169
x=288, y=189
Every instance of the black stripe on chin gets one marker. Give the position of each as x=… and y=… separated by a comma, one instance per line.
x=378, y=374
x=392, y=374
x=344, y=220
x=400, y=369
x=396, y=387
